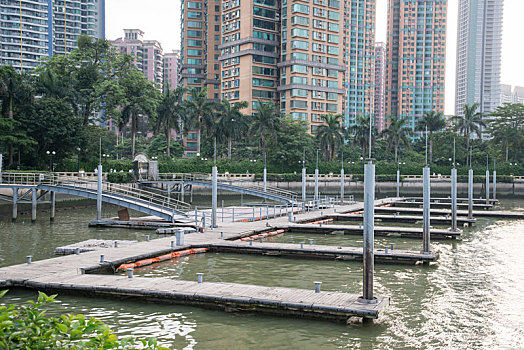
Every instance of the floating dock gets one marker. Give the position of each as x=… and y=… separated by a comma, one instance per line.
x=401, y=232
x=82, y=274
x=448, y=200
x=411, y=219
x=434, y=204
x=477, y=213
x=396, y=256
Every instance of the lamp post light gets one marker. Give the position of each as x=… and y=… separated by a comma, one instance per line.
x=253, y=163
x=78, y=149
x=198, y=162
x=51, y=164
x=105, y=158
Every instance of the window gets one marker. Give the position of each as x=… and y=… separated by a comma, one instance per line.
x=303, y=33
x=331, y=60
x=263, y=47
x=319, y=24
x=333, y=15
x=194, y=24
x=299, y=115
x=194, y=33
x=304, y=21
x=334, y=3
x=332, y=73
x=318, y=94
x=333, y=27
x=270, y=3
x=299, y=56
x=193, y=52
x=263, y=82
x=194, y=61
x=298, y=80
x=319, y=12
x=332, y=96
x=332, y=50
x=299, y=104
x=264, y=71
x=262, y=12
x=332, y=38
x=297, y=68
x=299, y=44
x=263, y=59
x=194, y=80
x=331, y=107
x=194, y=5
x=263, y=94
x=262, y=35
x=300, y=8
x=260, y=23
x=298, y=93
x=194, y=43
x=194, y=14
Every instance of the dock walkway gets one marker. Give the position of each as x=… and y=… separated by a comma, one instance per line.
x=476, y=213
x=403, y=232
x=412, y=219
x=80, y=274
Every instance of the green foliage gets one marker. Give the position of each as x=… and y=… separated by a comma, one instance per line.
x=28, y=327
x=120, y=177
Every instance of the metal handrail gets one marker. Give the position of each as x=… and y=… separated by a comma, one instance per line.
x=129, y=191
x=204, y=177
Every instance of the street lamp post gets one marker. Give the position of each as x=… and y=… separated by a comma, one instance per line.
x=78, y=149
x=51, y=164
x=198, y=162
x=398, y=177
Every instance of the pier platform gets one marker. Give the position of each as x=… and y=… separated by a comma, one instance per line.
x=434, y=204
x=82, y=274
x=409, y=219
x=393, y=231
x=477, y=213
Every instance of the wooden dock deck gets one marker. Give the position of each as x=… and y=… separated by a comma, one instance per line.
x=396, y=256
x=418, y=204
x=385, y=231
x=476, y=213
x=436, y=220
x=448, y=200
x=80, y=274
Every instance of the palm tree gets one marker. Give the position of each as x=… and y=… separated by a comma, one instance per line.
x=432, y=121
x=266, y=122
x=469, y=123
x=360, y=132
x=14, y=94
x=140, y=98
x=169, y=112
x=200, y=113
x=330, y=134
x=231, y=124
x=397, y=134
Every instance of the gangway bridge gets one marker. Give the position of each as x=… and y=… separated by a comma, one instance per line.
x=179, y=182
x=35, y=187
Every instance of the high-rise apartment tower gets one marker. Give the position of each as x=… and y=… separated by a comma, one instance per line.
x=479, y=46
x=380, y=86
x=416, y=58
x=35, y=29
x=359, y=59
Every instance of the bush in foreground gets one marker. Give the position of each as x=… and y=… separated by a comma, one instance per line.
x=27, y=327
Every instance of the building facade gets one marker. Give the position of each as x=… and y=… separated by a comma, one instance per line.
x=380, y=86
x=359, y=59
x=416, y=58
x=148, y=54
x=171, y=66
x=509, y=94
x=479, y=45
x=32, y=30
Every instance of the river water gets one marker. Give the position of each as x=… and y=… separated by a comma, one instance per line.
x=471, y=299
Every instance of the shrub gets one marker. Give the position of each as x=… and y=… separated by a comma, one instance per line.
x=124, y=177
x=27, y=327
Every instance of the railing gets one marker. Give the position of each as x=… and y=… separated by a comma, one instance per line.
x=128, y=191
x=224, y=179
x=28, y=179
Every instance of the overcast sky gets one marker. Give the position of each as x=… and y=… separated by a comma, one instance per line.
x=160, y=20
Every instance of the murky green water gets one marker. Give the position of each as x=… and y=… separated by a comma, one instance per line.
x=471, y=299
